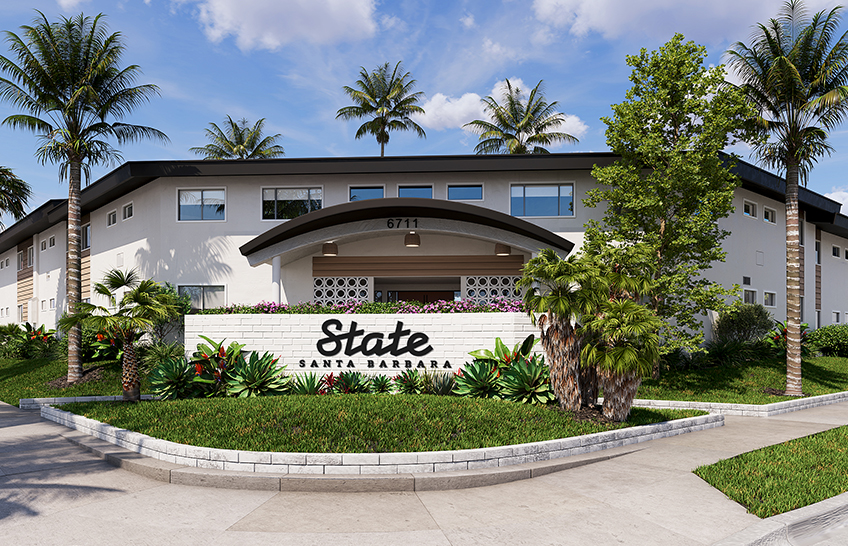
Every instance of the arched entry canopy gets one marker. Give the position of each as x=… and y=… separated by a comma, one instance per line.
x=373, y=218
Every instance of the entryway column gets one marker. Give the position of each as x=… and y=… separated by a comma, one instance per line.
x=276, y=291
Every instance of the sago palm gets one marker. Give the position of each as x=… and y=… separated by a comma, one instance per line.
x=142, y=305
x=68, y=80
x=796, y=77
x=14, y=195
x=237, y=140
x=519, y=126
x=561, y=291
x=386, y=99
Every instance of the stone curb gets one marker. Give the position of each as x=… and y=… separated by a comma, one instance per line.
x=37, y=403
x=748, y=410
x=808, y=525
x=493, y=459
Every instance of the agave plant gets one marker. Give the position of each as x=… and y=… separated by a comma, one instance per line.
x=306, y=383
x=527, y=381
x=154, y=353
x=381, y=384
x=172, y=378
x=478, y=380
x=439, y=383
x=257, y=376
x=353, y=383
x=410, y=382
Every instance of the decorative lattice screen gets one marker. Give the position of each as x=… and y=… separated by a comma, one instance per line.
x=482, y=289
x=326, y=290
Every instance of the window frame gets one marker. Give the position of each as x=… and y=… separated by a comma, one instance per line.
x=836, y=251
x=202, y=294
x=836, y=317
x=773, y=299
x=557, y=185
x=44, y=245
x=20, y=265
x=201, y=190
x=52, y=303
x=30, y=256
x=262, y=190
x=747, y=291
x=85, y=236
x=422, y=186
x=51, y=242
x=769, y=212
x=753, y=206
x=350, y=188
x=111, y=218
x=129, y=206
x=481, y=186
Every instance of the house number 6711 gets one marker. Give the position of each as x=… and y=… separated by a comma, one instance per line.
x=402, y=223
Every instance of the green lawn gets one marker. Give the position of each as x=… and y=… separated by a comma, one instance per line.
x=352, y=423
x=744, y=384
x=786, y=476
x=28, y=379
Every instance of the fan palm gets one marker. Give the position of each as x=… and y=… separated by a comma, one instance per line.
x=518, y=126
x=143, y=304
x=14, y=195
x=239, y=141
x=385, y=98
x=561, y=292
x=796, y=77
x=68, y=80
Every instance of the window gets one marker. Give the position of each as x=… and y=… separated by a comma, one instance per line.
x=86, y=236
x=846, y=253
x=362, y=193
x=749, y=296
x=2, y=262
x=204, y=297
x=44, y=305
x=836, y=317
x=465, y=193
x=43, y=246
x=424, y=192
x=52, y=241
x=112, y=218
x=836, y=251
x=769, y=216
x=30, y=256
x=20, y=313
x=769, y=299
x=749, y=209
x=542, y=200
x=20, y=261
x=286, y=203
x=127, y=211
x=201, y=205
x=818, y=252
x=52, y=303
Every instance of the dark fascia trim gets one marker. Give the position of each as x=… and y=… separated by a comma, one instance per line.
x=371, y=209
x=34, y=222
x=839, y=226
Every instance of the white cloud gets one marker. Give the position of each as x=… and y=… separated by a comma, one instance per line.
x=574, y=126
x=500, y=52
x=69, y=5
x=443, y=112
x=839, y=194
x=271, y=24
x=390, y=22
x=467, y=21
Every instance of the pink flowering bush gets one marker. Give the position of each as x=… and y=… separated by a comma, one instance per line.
x=367, y=307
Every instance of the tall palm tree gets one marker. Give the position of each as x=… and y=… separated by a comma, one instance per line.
x=144, y=304
x=518, y=126
x=239, y=141
x=797, y=78
x=14, y=195
x=69, y=81
x=386, y=99
x=562, y=292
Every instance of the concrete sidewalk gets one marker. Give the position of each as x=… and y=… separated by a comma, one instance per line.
x=52, y=492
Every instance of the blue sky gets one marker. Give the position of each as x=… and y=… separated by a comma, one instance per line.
x=287, y=60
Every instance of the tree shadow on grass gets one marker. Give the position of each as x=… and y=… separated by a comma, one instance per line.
x=826, y=376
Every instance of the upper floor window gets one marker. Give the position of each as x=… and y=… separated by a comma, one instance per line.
x=204, y=297
x=43, y=246
x=465, y=193
x=769, y=215
x=818, y=252
x=539, y=200
x=199, y=205
x=20, y=260
x=86, y=236
x=112, y=218
x=749, y=296
x=366, y=192
x=286, y=203
x=127, y=211
x=836, y=251
x=769, y=299
x=30, y=256
x=52, y=241
x=749, y=209
x=425, y=192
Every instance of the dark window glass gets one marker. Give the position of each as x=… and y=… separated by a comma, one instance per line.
x=461, y=193
x=287, y=203
x=425, y=192
x=201, y=205
x=516, y=201
x=360, y=194
x=540, y=200
x=204, y=297
x=86, y=236
x=566, y=200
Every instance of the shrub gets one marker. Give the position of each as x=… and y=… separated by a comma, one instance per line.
x=381, y=384
x=439, y=383
x=173, y=378
x=527, y=381
x=363, y=307
x=502, y=356
x=152, y=354
x=744, y=322
x=257, y=376
x=831, y=340
x=777, y=340
x=727, y=351
x=12, y=341
x=306, y=383
x=353, y=383
x=409, y=382
x=478, y=380
x=213, y=363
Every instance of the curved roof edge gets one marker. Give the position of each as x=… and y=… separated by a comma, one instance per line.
x=394, y=207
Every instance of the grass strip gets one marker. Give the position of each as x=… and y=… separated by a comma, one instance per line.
x=29, y=378
x=783, y=477
x=744, y=384
x=352, y=423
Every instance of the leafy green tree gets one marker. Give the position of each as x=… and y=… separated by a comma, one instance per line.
x=237, y=140
x=665, y=195
x=796, y=77
x=69, y=81
x=519, y=126
x=386, y=99
x=144, y=303
x=14, y=195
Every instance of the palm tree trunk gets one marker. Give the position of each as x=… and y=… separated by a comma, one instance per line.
x=129, y=372
x=619, y=392
x=589, y=385
x=72, y=267
x=382, y=149
x=793, y=285
x=562, y=346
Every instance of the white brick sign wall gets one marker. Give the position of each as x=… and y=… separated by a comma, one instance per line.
x=368, y=343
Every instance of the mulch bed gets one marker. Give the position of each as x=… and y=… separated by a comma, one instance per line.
x=95, y=373
x=594, y=413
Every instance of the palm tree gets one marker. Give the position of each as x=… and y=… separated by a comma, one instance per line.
x=797, y=80
x=239, y=141
x=14, y=195
x=518, y=126
x=386, y=100
x=144, y=304
x=562, y=292
x=67, y=77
